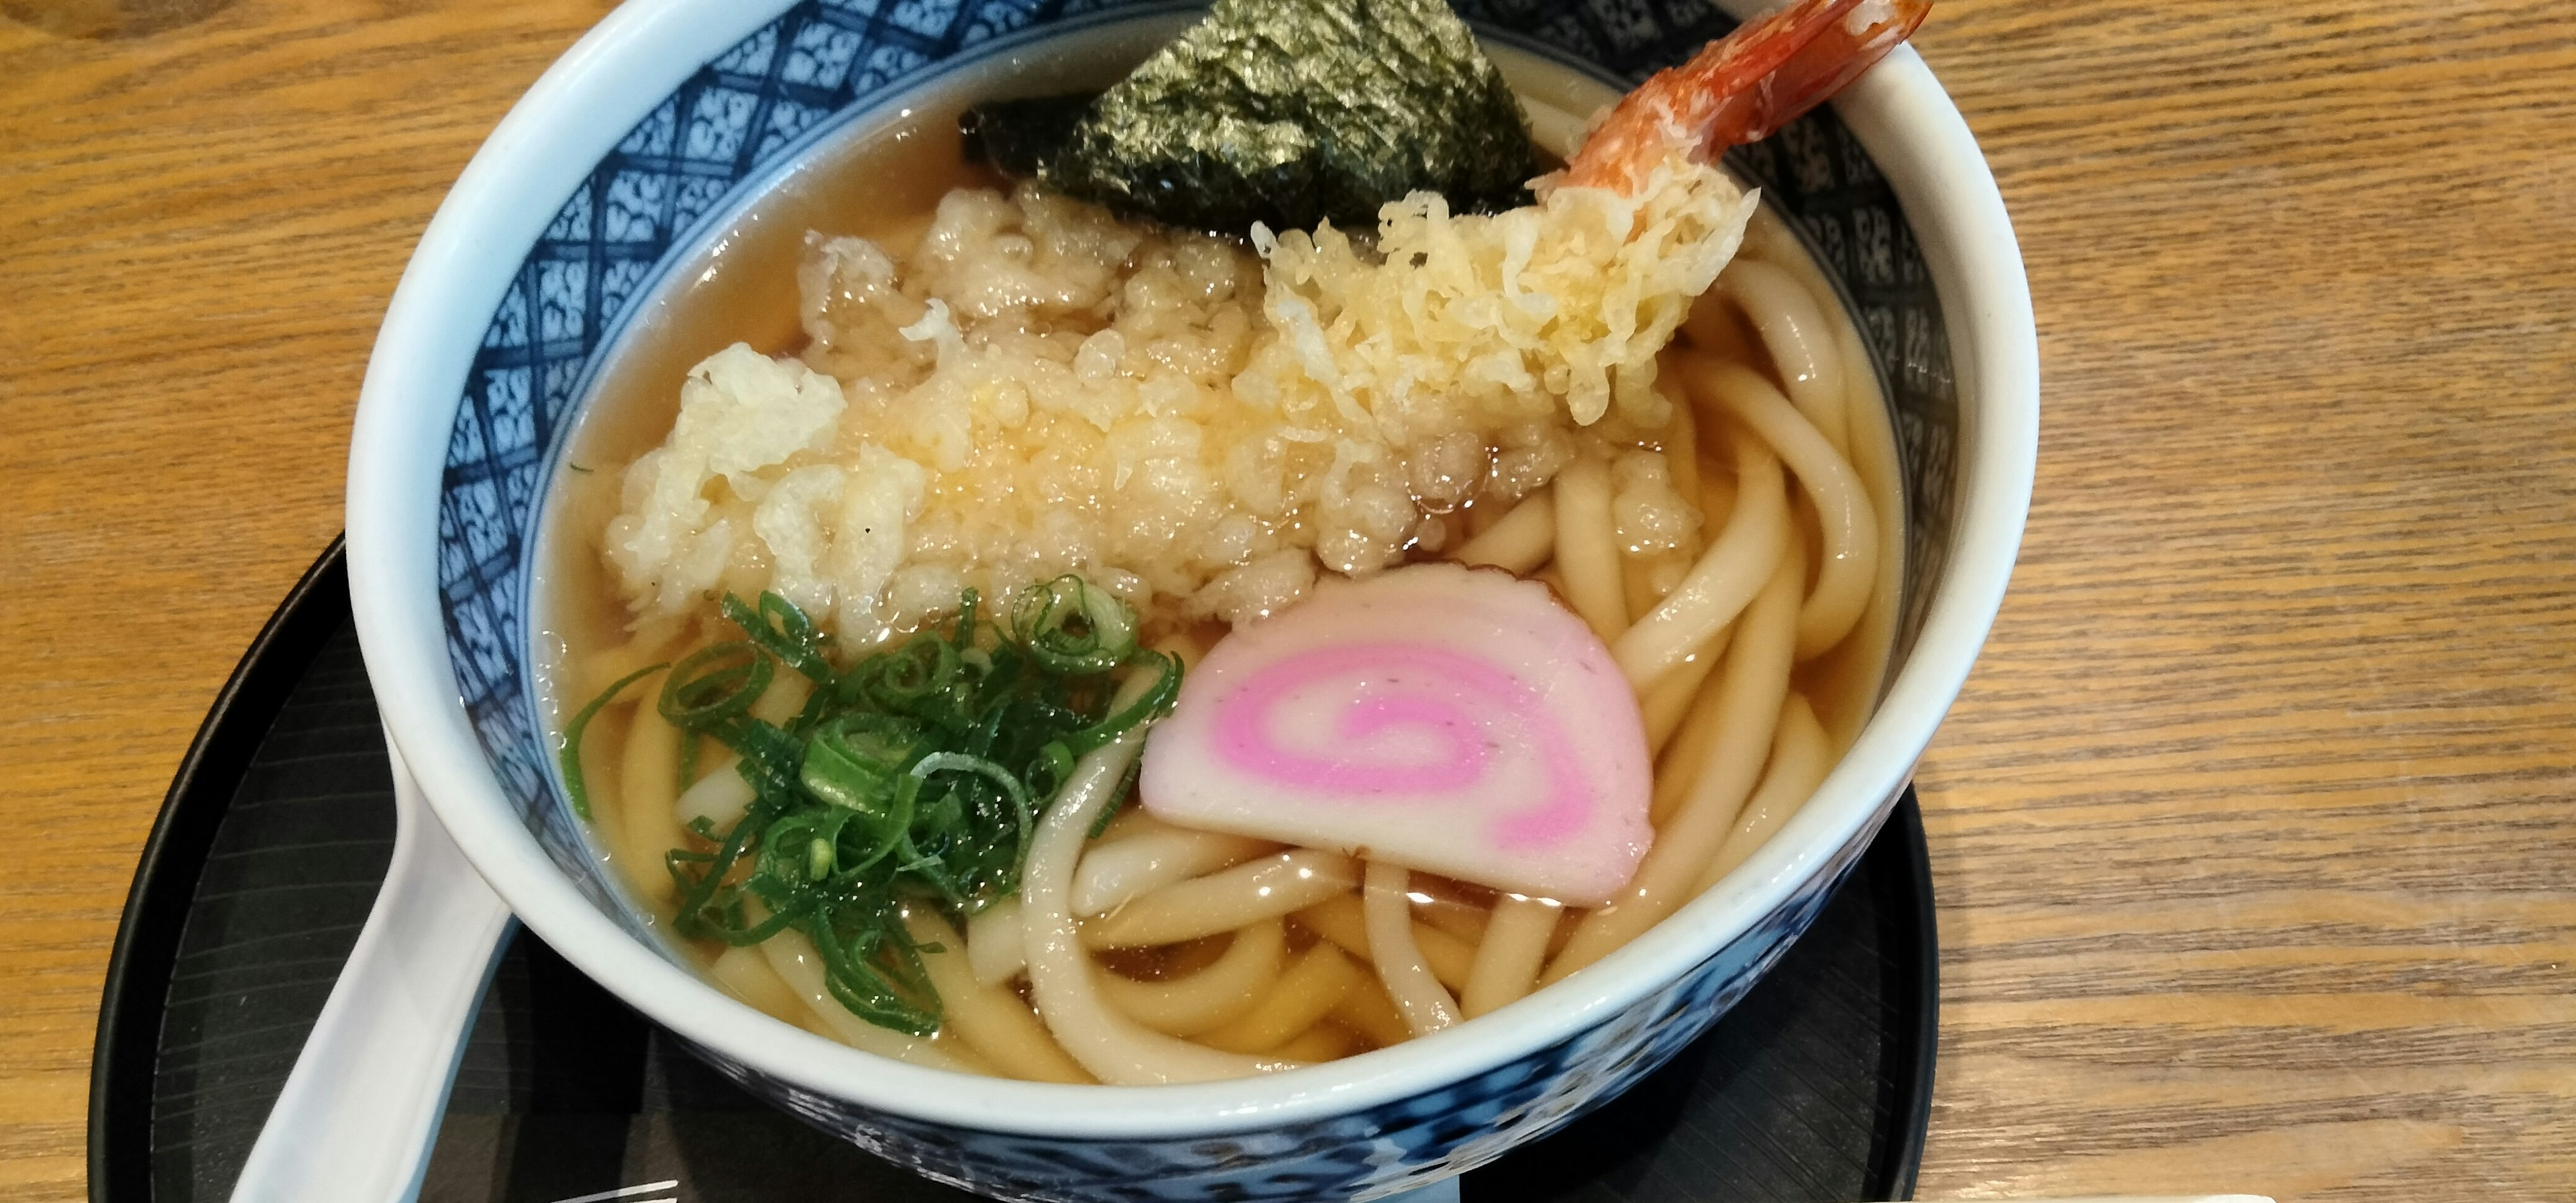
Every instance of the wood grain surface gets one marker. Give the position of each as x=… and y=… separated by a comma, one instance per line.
x=2253, y=832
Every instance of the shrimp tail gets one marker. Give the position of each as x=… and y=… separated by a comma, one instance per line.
x=1743, y=86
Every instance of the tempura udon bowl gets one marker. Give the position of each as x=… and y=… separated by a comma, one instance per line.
x=650, y=136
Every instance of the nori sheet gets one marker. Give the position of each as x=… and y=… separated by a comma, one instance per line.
x=1018, y=136
x=1286, y=112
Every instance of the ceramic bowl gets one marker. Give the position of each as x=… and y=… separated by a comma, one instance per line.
x=635, y=146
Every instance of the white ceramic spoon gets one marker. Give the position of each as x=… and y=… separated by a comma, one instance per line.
x=355, y=1121
x=358, y=1114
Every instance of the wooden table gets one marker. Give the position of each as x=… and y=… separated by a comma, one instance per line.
x=2253, y=833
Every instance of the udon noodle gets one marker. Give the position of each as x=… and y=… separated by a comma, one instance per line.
x=1754, y=633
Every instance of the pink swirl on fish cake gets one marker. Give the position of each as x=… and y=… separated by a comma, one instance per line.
x=1483, y=704
x=1455, y=721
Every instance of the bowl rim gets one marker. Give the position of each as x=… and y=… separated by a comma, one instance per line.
x=611, y=78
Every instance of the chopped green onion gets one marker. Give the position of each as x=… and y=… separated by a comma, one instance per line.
x=568, y=757
x=913, y=776
x=715, y=683
x=1070, y=627
x=1109, y=814
x=783, y=631
x=965, y=626
x=1154, y=701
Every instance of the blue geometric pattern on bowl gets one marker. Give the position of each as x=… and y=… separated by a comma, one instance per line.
x=755, y=105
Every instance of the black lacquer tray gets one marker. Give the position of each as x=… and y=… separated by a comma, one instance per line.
x=277, y=831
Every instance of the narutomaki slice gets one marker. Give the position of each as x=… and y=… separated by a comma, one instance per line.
x=1436, y=717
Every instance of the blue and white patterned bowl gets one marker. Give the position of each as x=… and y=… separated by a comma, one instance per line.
x=631, y=150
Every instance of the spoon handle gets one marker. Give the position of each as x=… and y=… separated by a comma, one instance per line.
x=355, y=1121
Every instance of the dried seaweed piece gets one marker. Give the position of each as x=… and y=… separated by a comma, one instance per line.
x=1018, y=136
x=1290, y=113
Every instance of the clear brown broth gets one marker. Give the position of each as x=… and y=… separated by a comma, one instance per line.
x=882, y=185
